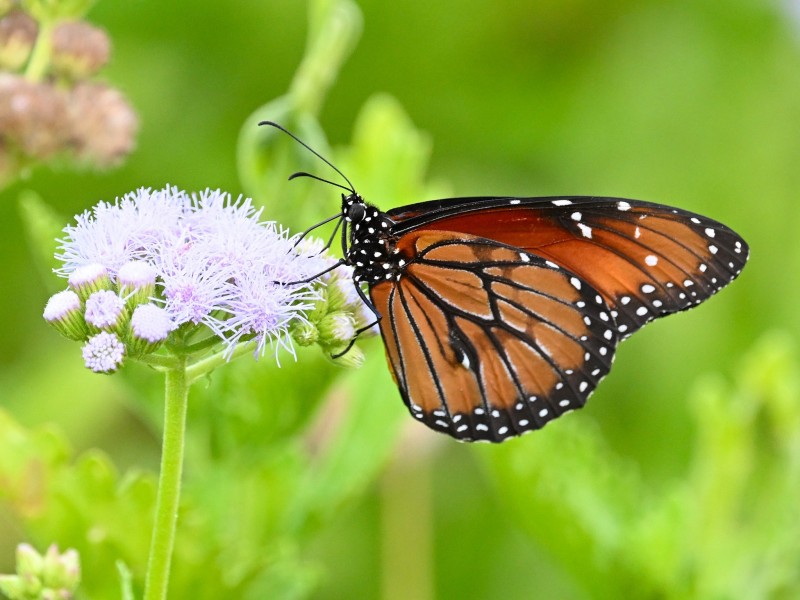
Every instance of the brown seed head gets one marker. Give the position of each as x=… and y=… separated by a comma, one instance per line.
x=79, y=49
x=17, y=36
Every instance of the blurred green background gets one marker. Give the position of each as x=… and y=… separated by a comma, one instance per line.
x=694, y=103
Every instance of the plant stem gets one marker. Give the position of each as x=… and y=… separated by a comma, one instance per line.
x=40, y=55
x=169, y=483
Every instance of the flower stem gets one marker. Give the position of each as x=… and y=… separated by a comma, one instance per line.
x=169, y=483
x=40, y=55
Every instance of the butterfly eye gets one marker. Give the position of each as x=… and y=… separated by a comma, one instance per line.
x=356, y=213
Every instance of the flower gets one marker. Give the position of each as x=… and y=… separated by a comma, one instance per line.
x=168, y=261
x=103, y=353
x=105, y=310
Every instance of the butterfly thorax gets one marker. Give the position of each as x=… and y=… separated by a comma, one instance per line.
x=371, y=248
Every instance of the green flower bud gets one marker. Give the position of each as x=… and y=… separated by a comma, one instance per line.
x=353, y=359
x=29, y=561
x=336, y=328
x=65, y=312
x=304, y=333
x=60, y=572
x=88, y=279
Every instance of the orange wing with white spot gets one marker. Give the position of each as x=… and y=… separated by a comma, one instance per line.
x=487, y=341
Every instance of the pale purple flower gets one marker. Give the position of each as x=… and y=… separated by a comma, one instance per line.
x=113, y=234
x=104, y=309
x=214, y=263
x=103, y=353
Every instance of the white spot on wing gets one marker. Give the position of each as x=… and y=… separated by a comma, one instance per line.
x=562, y=202
x=585, y=230
x=622, y=205
x=651, y=259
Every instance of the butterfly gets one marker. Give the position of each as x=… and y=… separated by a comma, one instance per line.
x=500, y=314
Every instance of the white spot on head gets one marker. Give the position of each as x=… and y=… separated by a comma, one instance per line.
x=651, y=259
x=585, y=230
x=562, y=202
x=622, y=205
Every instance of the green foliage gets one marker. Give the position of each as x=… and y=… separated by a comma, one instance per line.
x=725, y=529
x=692, y=103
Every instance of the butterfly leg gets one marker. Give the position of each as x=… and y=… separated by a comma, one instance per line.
x=336, y=265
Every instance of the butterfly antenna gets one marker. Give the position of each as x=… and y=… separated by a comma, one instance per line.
x=304, y=174
x=351, y=189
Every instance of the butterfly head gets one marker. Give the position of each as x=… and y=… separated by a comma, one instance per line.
x=370, y=247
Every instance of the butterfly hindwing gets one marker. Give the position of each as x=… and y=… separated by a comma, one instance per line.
x=487, y=341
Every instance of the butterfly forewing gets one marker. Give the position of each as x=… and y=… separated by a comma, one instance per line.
x=487, y=341
x=647, y=260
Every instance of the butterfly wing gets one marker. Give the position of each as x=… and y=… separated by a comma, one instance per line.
x=647, y=260
x=486, y=341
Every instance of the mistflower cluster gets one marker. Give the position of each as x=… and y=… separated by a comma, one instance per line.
x=49, y=107
x=50, y=575
x=165, y=272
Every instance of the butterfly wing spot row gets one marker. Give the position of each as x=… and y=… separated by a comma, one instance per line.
x=486, y=341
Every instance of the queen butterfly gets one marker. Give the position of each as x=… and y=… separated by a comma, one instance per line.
x=499, y=314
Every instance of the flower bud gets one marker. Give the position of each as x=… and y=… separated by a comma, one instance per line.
x=29, y=561
x=103, y=353
x=80, y=50
x=304, y=333
x=64, y=312
x=17, y=36
x=89, y=279
x=336, y=329
x=150, y=326
x=33, y=116
x=353, y=359
x=103, y=125
x=60, y=572
x=137, y=282
x=105, y=311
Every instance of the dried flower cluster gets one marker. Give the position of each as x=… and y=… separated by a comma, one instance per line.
x=199, y=271
x=49, y=105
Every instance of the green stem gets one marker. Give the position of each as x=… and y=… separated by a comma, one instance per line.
x=169, y=483
x=40, y=55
